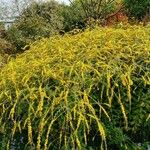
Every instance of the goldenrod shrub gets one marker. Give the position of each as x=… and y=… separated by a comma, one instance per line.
x=90, y=90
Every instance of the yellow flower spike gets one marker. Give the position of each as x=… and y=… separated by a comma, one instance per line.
x=29, y=131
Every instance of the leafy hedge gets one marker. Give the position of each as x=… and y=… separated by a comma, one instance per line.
x=6, y=49
x=87, y=91
x=137, y=8
x=36, y=21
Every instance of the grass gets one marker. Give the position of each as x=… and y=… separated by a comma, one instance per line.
x=78, y=92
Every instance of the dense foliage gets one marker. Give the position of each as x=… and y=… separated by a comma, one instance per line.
x=137, y=8
x=45, y=19
x=97, y=9
x=86, y=91
x=80, y=13
x=36, y=21
x=73, y=16
x=6, y=47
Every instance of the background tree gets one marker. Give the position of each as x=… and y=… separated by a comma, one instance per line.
x=97, y=9
x=137, y=8
x=73, y=16
x=79, y=12
x=37, y=20
x=86, y=12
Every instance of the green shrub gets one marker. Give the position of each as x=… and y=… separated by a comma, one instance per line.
x=78, y=92
x=137, y=8
x=95, y=9
x=36, y=21
x=6, y=47
x=79, y=13
x=16, y=37
x=73, y=17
